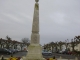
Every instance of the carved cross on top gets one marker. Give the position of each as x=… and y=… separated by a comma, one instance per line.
x=36, y=0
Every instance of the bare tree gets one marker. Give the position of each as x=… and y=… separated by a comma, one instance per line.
x=52, y=45
x=60, y=43
x=26, y=41
x=66, y=43
x=8, y=42
x=77, y=38
x=73, y=44
x=8, y=38
x=1, y=42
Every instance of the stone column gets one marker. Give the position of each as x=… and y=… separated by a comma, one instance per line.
x=35, y=26
x=35, y=49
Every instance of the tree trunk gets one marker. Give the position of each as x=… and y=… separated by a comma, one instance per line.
x=73, y=48
x=52, y=49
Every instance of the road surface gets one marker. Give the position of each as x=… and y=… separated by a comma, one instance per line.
x=20, y=54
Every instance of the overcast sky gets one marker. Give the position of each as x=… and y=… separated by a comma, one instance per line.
x=59, y=19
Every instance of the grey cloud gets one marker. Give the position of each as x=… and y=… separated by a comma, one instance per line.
x=59, y=19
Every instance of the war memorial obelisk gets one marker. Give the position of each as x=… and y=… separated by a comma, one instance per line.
x=34, y=49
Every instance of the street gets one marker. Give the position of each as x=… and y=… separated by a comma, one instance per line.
x=65, y=56
x=20, y=54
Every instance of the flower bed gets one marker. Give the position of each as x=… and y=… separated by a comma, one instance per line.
x=11, y=58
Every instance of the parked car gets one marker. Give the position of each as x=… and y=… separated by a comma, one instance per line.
x=5, y=51
x=46, y=53
x=12, y=50
x=70, y=52
x=65, y=52
x=60, y=52
x=16, y=50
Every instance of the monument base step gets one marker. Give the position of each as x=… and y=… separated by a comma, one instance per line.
x=34, y=52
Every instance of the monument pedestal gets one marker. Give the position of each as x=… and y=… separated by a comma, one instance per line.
x=34, y=52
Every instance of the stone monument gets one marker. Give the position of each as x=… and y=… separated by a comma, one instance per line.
x=34, y=49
